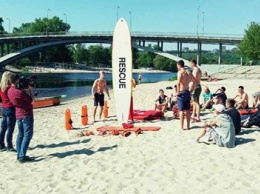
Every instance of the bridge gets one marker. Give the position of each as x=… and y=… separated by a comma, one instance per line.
x=139, y=39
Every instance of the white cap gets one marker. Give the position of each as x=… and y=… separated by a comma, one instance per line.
x=219, y=107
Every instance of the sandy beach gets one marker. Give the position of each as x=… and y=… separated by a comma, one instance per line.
x=167, y=161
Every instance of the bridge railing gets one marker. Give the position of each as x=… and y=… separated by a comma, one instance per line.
x=134, y=34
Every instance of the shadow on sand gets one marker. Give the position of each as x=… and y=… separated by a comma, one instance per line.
x=81, y=152
x=62, y=144
x=240, y=140
x=248, y=131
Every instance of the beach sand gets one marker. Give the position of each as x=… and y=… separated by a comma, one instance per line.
x=166, y=161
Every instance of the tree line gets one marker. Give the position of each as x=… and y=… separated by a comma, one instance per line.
x=96, y=55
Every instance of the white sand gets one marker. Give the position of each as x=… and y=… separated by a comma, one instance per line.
x=167, y=161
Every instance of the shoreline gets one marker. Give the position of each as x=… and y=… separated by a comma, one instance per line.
x=58, y=70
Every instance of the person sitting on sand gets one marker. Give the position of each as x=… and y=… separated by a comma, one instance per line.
x=234, y=114
x=98, y=88
x=254, y=119
x=256, y=97
x=221, y=93
x=221, y=130
x=173, y=99
x=207, y=96
x=161, y=103
x=241, y=98
x=256, y=101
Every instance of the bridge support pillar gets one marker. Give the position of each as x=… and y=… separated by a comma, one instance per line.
x=143, y=42
x=161, y=47
x=139, y=42
x=220, y=54
x=199, y=54
x=180, y=50
x=8, y=48
x=2, y=49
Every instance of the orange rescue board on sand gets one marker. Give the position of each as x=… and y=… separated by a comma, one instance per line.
x=68, y=121
x=143, y=128
x=105, y=111
x=84, y=115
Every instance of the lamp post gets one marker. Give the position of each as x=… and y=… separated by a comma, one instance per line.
x=203, y=24
x=117, y=10
x=66, y=22
x=8, y=24
x=198, y=20
x=130, y=13
x=47, y=21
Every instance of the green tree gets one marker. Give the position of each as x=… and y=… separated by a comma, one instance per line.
x=163, y=63
x=249, y=47
x=42, y=26
x=1, y=26
x=80, y=53
x=99, y=55
x=145, y=59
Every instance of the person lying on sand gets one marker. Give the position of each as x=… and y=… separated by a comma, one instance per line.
x=221, y=130
x=161, y=103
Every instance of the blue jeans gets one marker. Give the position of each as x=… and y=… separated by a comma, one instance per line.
x=8, y=124
x=25, y=133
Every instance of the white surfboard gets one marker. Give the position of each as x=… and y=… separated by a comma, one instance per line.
x=122, y=70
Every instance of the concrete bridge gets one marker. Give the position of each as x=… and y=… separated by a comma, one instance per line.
x=139, y=39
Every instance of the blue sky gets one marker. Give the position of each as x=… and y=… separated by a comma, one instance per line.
x=220, y=16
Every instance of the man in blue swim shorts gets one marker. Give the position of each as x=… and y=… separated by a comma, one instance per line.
x=184, y=78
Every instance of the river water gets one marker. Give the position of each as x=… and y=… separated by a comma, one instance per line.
x=79, y=84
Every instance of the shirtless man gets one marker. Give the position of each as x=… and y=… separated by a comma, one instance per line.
x=183, y=92
x=241, y=98
x=99, y=86
x=196, y=95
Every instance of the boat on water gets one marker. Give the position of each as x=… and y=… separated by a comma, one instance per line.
x=47, y=101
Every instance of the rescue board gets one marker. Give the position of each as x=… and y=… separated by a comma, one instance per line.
x=122, y=70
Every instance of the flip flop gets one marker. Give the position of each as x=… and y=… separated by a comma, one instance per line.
x=102, y=133
x=126, y=133
x=138, y=131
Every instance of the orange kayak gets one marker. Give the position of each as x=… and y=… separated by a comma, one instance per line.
x=47, y=101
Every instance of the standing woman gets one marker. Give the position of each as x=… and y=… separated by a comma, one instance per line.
x=8, y=114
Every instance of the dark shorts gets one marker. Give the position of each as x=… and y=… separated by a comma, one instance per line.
x=183, y=100
x=196, y=95
x=99, y=99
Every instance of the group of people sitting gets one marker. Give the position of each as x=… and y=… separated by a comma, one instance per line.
x=227, y=121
